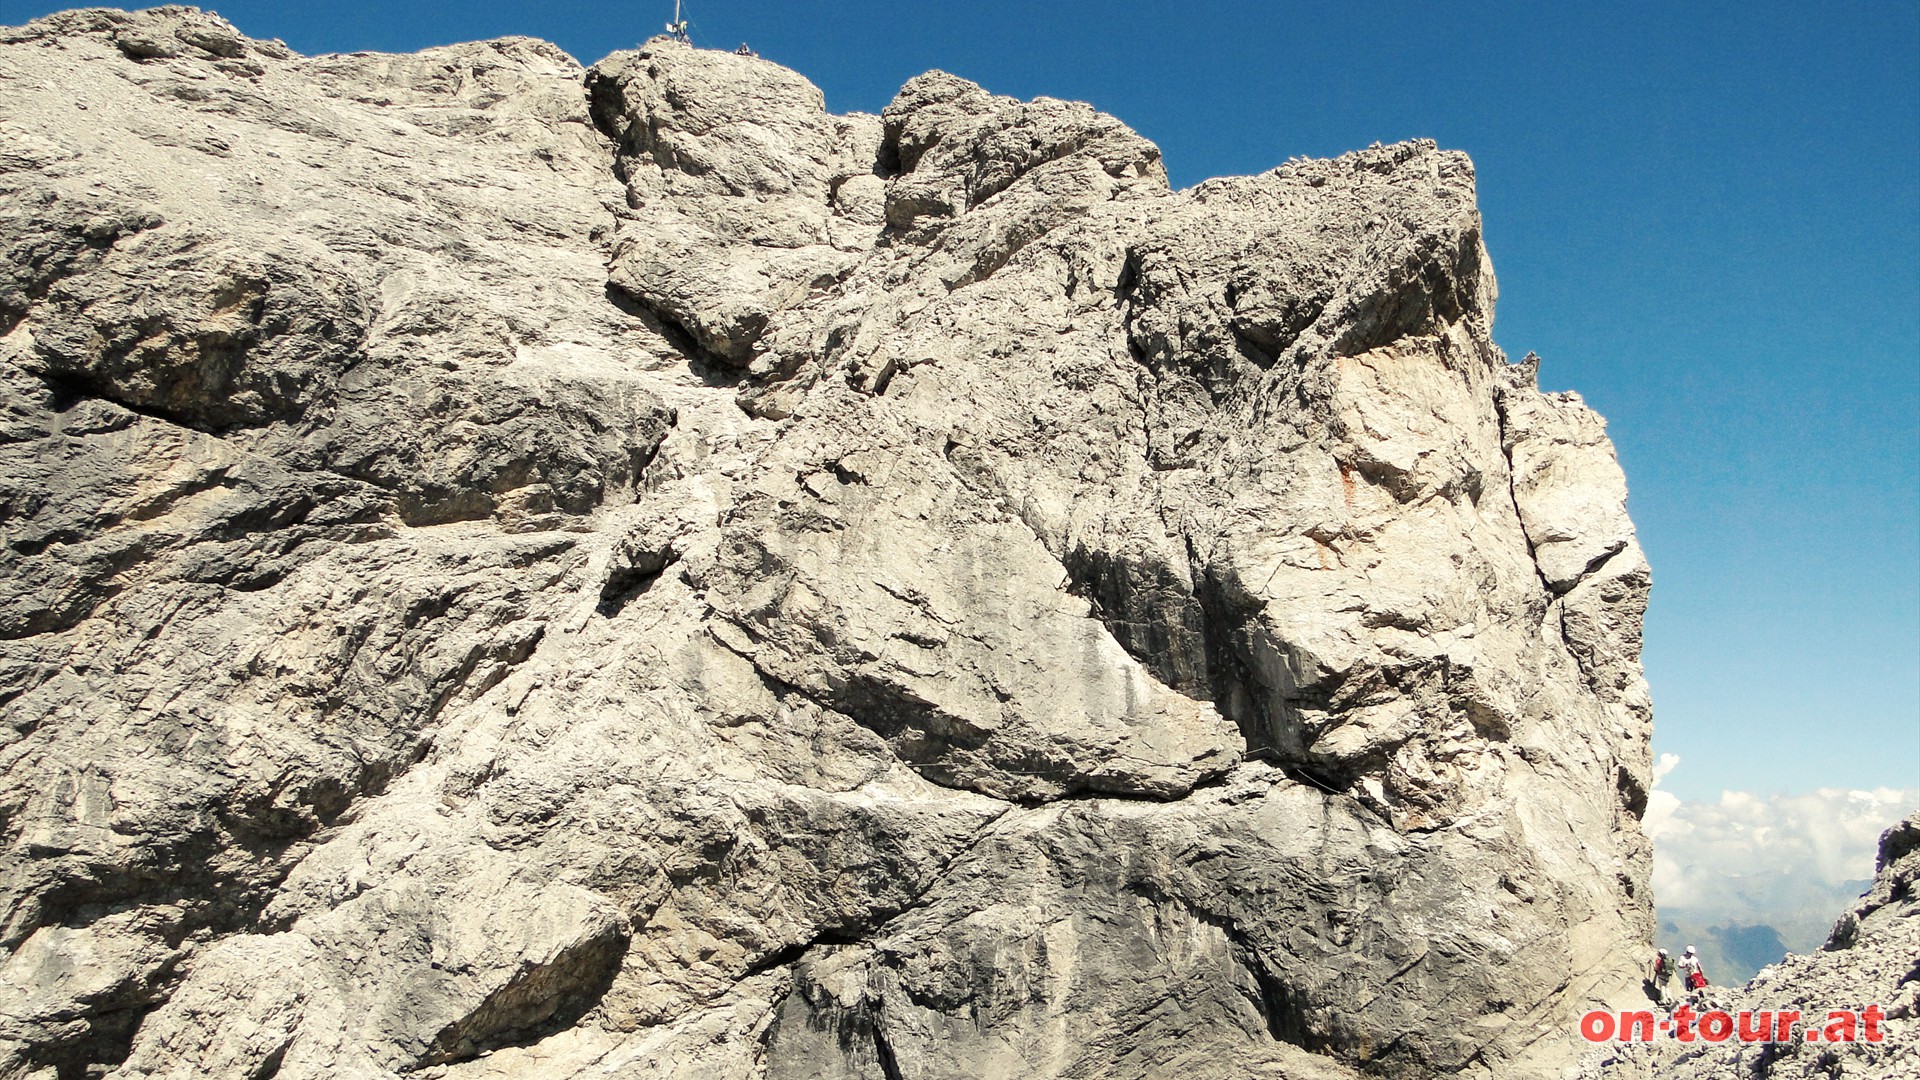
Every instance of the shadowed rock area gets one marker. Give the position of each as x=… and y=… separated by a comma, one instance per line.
x=512, y=570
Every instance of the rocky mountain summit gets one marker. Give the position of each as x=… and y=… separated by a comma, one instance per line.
x=513, y=570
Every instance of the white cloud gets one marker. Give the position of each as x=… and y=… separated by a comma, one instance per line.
x=1787, y=861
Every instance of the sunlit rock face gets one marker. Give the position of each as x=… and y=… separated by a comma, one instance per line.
x=514, y=570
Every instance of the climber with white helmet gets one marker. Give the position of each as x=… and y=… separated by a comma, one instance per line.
x=1693, y=975
x=1662, y=978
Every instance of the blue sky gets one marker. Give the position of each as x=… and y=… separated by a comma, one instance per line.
x=1706, y=218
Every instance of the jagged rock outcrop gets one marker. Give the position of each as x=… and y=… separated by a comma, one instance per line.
x=513, y=570
x=1872, y=958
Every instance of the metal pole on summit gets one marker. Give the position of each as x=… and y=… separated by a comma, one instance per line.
x=678, y=27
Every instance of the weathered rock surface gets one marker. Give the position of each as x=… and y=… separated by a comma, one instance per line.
x=1871, y=959
x=521, y=571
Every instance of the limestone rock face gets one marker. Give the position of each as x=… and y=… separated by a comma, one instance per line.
x=521, y=571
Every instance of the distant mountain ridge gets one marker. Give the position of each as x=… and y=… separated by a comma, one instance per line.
x=1870, y=958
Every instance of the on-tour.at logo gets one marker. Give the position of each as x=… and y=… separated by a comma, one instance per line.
x=1718, y=1025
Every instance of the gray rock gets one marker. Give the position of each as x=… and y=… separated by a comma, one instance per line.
x=732, y=165
x=514, y=570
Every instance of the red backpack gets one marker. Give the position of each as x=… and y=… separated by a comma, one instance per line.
x=1696, y=980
